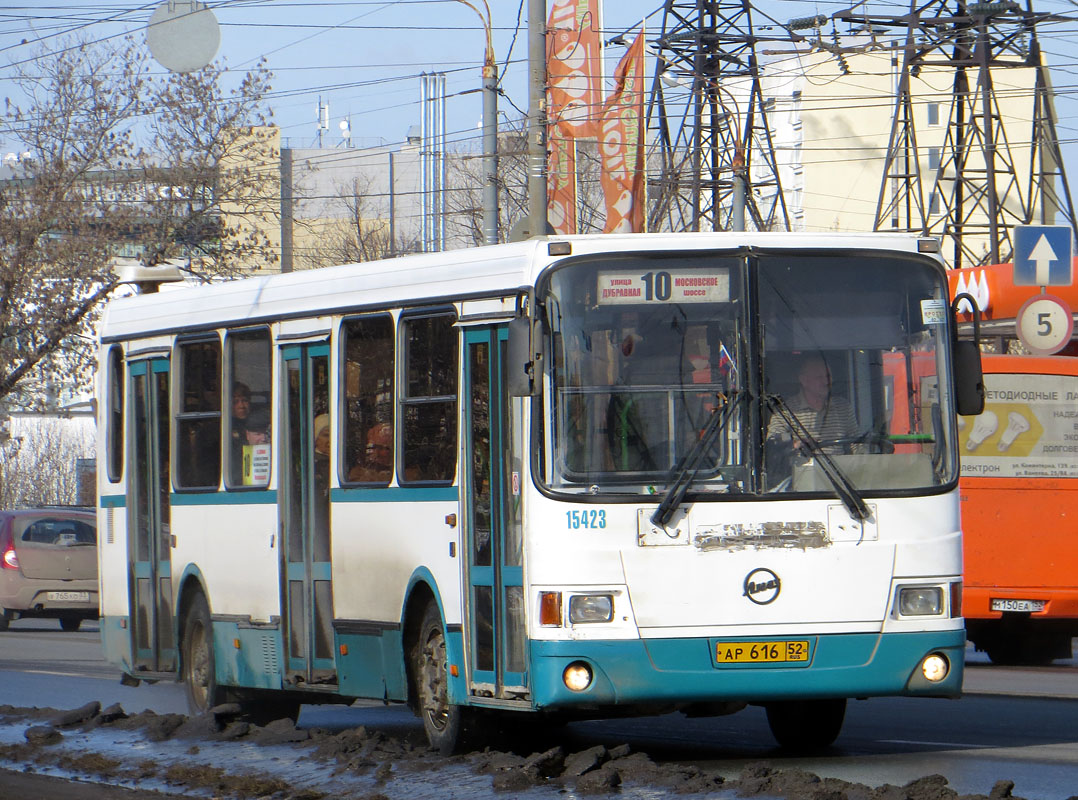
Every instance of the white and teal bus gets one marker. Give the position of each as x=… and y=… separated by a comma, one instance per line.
x=571, y=477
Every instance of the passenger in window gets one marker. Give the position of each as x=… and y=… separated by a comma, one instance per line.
x=827, y=417
x=241, y=411
x=257, y=431
x=321, y=474
x=377, y=463
x=321, y=437
x=626, y=424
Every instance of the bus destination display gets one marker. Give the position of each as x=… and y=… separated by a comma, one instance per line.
x=661, y=286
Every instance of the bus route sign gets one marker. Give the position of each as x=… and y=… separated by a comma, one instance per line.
x=677, y=286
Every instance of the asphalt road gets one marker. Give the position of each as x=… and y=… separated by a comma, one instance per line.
x=1013, y=723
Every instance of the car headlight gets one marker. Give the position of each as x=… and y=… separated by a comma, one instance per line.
x=584, y=608
x=920, y=601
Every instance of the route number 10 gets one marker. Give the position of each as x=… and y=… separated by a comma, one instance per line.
x=657, y=286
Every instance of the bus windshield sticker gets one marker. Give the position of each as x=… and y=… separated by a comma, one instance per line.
x=675, y=286
x=933, y=312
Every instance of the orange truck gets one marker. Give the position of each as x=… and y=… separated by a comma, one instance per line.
x=1019, y=491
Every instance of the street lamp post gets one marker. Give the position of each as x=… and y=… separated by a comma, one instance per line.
x=537, y=118
x=490, y=147
x=490, y=130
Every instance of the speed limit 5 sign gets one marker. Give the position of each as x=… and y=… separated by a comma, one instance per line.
x=1044, y=324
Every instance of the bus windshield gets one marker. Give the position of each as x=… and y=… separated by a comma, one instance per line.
x=648, y=350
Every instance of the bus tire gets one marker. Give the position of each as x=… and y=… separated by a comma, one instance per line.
x=446, y=725
x=70, y=623
x=199, y=666
x=806, y=725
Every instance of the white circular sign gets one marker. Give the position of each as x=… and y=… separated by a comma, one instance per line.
x=1044, y=324
x=183, y=37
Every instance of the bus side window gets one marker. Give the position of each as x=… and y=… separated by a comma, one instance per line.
x=368, y=399
x=114, y=421
x=248, y=433
x=429, y=399
x=198, y=418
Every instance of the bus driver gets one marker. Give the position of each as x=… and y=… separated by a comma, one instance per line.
x=828, y=418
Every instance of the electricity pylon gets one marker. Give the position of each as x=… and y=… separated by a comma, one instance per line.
x=707, y=110
x=977, y=182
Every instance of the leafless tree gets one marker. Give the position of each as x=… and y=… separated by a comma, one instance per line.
x=363, y=232
x=111, y=158
x=464, y=195
x=213, y=181
x=39, y=463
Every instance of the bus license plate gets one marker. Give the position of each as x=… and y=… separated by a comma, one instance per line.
x=761, y=652
x=1001, y=604
x=69, y=597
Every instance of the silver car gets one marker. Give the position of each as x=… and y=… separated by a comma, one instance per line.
x=48, y=565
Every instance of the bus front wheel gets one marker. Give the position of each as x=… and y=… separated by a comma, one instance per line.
x=199, y=664
x=445, y=724
x=806, y=725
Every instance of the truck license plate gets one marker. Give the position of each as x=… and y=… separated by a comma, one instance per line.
x=69, y=597
x=1001, y=604
x=761, y=652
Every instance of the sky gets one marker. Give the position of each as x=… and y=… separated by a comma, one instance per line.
x=364, y=58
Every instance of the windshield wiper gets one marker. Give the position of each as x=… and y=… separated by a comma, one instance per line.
x=846, y=491
x=689, y=465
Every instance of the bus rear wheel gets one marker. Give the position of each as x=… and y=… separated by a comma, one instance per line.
x=806, y=725
x=199, y=667
x=445, y=724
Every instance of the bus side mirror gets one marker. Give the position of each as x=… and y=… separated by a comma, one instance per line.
x=521, y=359
x=968, y=375
x=969, y=380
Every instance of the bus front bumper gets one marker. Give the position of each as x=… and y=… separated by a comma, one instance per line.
x=684, y=671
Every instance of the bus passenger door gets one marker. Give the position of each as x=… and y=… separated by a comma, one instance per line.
x=306, y=590
x=150, y=581
x=495, y=601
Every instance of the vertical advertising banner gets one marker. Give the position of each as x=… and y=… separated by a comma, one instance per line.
x=574, y=67
x=621, y=145
x=561, y=183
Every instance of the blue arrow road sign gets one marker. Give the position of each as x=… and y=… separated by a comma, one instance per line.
x=1042, y=255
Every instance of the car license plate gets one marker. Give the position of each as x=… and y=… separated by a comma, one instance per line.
x=69, y=597
x=761, y=652
x=1001, y=604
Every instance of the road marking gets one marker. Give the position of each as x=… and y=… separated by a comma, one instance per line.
x=962, y=745
x=64, y=674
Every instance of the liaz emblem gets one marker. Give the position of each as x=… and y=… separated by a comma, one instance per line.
x=762, y=586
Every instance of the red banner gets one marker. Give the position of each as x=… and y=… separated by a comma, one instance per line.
x=621, y=145
x=561, y=183
x=574, y=63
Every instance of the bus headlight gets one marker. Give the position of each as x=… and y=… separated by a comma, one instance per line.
x=920, y=601
x=577, y=676
x=585, y=608
x=935, y=667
